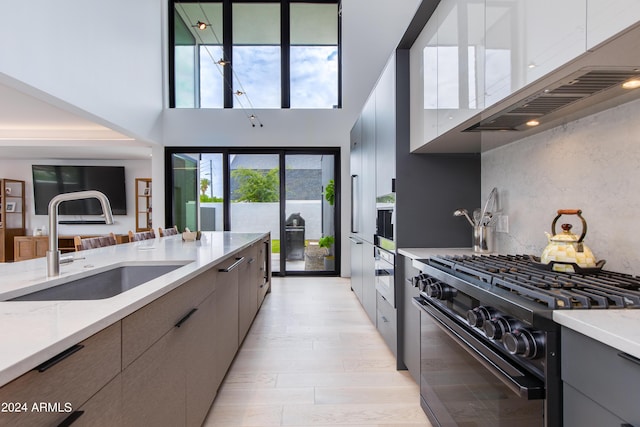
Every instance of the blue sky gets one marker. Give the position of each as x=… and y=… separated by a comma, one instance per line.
x=314, y=76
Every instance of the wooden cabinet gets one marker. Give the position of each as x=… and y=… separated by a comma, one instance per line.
x=153, y=385
x=146, y=326
x=226, y=319
x=103, y=409
x=601, y=384
x=201, y=377
x=263, y=281
x=247, y=291
x=71, y=377
x=143, y=204
x=12, y=216
x=29, y=247
x=162, y=365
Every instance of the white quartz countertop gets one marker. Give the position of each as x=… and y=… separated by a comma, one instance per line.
x=32, y=332
x=619, y=329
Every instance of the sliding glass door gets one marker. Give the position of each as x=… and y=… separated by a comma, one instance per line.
x=293, y=194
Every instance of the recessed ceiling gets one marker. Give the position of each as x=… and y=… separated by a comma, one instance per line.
x=33, y=128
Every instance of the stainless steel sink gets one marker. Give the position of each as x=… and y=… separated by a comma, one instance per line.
x=101, y=285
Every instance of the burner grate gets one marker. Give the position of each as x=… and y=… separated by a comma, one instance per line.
x=555, y=290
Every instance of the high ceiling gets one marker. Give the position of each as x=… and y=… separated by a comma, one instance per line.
x=31, y=127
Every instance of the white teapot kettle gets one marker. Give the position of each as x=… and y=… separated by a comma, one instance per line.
x=566, y=248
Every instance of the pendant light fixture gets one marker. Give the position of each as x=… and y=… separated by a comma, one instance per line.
x=222, y=62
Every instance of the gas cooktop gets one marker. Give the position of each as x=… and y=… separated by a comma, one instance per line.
x=518, y=274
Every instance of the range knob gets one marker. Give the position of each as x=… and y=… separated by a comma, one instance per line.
x=524, y=342
x=496, y=327
x=439, y=290
x=419, y=281
x=477, y=316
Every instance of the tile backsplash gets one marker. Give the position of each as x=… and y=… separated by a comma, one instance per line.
x=591, y=164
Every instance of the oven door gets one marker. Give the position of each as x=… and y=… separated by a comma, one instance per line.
x=465, y=382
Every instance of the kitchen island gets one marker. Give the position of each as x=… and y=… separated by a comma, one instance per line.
x=206, y=304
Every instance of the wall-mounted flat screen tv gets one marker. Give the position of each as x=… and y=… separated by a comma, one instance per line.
x=49, y=181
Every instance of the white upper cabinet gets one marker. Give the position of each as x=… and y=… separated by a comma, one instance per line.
x=460, y=61
x=447, y=69
x=526, y=40
x=423, y=71
x=606, y=18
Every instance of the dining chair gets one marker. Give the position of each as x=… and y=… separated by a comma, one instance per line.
x=82, y=244
x=141, y=235
x=168, y=231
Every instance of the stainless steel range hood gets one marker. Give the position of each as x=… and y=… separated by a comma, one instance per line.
x=589, y=84
x=580, y=90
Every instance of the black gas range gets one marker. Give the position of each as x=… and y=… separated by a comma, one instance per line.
x=499, y=309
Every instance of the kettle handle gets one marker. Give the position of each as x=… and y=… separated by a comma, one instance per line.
x=577, y=212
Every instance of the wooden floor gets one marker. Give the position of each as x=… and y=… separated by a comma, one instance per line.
x=313, y=358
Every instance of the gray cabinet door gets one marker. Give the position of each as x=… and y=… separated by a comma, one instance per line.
x=368, y=181
x=605, y=375
x=356, y=267
x=409, y=318
x=385, y=125
x=369, y=281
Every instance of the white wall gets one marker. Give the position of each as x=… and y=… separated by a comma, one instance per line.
x=108, y=59
x=591, y=164
x=21, y=169
x=104, y=57
x=371, y=31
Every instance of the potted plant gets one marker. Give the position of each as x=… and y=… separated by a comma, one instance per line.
x=329, y=192
x=329, y=259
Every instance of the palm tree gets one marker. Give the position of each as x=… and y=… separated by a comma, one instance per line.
x=204, y=185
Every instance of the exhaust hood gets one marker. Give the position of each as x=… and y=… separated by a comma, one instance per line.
x=577, y=91
x=590, y=83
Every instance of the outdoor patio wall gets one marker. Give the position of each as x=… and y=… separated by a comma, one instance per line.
x=260, y=217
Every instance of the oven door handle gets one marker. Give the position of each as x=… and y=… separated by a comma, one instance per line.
x=522, y=384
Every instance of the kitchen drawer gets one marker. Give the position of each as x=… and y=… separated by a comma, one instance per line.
x=147, y=325
x=580, y=411
x=103, y=409
x=386, y=323
x=602, y=373
x=68, y=383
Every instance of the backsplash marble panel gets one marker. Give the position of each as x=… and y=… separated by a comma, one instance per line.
x=591, y=164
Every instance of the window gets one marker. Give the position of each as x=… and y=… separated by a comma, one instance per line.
x=255, y=54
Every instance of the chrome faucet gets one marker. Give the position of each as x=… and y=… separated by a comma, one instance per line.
x=53, y=254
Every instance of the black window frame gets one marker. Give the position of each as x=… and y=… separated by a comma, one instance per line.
x=227, y=42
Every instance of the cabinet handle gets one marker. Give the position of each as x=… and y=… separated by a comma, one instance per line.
x=232, y=266
x=71, y=419
x=251, y=260
x=630, y=358
x=354, y=206
x=59, y=358
x=357, y=242
x=184, y=319
x=384, y=319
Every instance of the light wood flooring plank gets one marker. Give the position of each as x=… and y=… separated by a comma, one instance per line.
x=312, y=358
